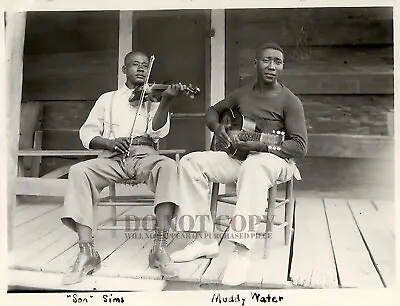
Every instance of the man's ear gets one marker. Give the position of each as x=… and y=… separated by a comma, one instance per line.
x=124, y=69
x=255, y=62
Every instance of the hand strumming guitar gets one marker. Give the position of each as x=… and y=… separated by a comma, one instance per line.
x=222, y=135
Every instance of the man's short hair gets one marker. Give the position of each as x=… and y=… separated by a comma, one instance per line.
x=132, y=53
x=267, y=46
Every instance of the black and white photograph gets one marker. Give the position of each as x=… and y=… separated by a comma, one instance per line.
x=211, y=149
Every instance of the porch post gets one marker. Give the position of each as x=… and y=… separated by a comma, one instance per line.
x=217, y=59
x=15, y=37
x=125, y=41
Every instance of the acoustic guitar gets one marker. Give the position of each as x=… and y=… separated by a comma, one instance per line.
x=246, y=130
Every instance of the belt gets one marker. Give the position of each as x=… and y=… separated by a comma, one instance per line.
x=142, y=141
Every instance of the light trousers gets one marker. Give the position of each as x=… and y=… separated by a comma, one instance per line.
x=254, y=176
x=88, y=178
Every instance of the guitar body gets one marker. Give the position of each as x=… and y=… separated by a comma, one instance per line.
x=247, y=131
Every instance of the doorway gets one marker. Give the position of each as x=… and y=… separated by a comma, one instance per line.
x=180, y=42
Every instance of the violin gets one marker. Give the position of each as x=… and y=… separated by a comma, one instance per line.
x=155, y=90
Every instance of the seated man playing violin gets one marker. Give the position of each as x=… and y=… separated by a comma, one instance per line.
x=128, y=154
x=257, y=167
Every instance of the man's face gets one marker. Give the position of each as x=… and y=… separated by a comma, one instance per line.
x=136, y=68
x=269, y=65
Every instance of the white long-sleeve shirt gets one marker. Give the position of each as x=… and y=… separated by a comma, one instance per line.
x=113, y=108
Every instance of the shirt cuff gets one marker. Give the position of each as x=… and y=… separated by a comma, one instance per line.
x=161, y=132
x=87, y=137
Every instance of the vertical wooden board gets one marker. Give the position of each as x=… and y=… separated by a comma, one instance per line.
x=313, y=264
x=355, y=268
x=14, y=41
x=378, y=237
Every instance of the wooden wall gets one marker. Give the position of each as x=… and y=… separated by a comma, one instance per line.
x=339, y=61
x=70, y=59
x=179, y=41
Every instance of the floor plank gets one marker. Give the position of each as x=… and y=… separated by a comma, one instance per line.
x=105, y=245
x=215, y=270
x=378, y=238
x=123, y=261
x=268, y=273
x=51, y=281
x=353, y=263
x=33, y=230
x=20, y=207
x=63, y=253
x=386, y=213
x=33, y=212
x=313, y=264
x=36, y=253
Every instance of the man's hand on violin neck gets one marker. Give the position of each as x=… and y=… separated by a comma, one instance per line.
x=173, y=90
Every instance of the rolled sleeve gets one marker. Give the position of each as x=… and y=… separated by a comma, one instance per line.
x=161, y=132
x=94, y=124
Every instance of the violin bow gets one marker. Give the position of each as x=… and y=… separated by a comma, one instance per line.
x=152, y=58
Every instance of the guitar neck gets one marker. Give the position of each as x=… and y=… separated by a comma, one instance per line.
x=262, y=137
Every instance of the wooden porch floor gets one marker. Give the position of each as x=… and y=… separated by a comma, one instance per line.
x=336, y=243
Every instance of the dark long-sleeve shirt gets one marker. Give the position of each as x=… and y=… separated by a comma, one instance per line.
x=282, y=112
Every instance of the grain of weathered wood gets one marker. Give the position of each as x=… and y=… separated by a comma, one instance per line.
x=354, y=265
x=315, y=13
x=40, y=186
x=313, y=264
x=83, y=52
x=31, y=114
x=347, y=114
x=355, y=58
x=386, y=212
x=44, y=249
x=52, y=281
x=308, y=32
x=324, y=83
x=104, y=244
x=14, y=42
x=378, y=238
x=37, y=228
x=34, y=212
x=350, y=146
x=342, y=177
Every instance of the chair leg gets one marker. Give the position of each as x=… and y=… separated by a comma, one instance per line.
x=113, y=197
x=289, y=208
x=214, y=202
x=270, y=219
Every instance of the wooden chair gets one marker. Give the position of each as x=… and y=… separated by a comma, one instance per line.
x=114, y=201
x=273, y=203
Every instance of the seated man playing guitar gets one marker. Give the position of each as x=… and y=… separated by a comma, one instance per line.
x=256, y=157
